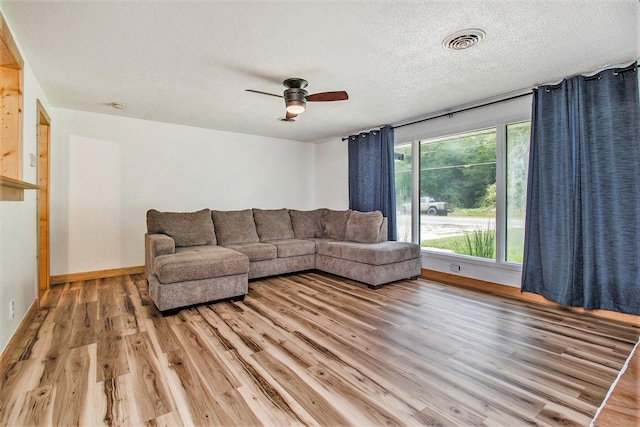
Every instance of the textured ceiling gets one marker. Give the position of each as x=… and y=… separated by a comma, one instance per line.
x=189, y=62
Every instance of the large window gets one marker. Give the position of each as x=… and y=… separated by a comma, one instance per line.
x=458, y=194
x=517, y=166
x=403, y=179
x=471, y=193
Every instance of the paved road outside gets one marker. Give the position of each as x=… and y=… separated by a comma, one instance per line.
x=436, y=227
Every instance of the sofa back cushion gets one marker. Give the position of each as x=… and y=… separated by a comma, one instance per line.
x=364, y=227
x=306, y=224
x=186, y=228
x=273, y=224
x=334, y=223
x=235, y=227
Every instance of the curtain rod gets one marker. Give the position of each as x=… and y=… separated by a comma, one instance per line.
x=596, y=76
x=462, y=110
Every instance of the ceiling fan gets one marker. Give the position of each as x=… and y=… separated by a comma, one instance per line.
x=296, y=98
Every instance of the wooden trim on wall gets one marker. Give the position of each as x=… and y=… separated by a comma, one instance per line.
x=11, y=88
x=10, y=57
x=43, y=131
x=513, y=292
x=92, y=275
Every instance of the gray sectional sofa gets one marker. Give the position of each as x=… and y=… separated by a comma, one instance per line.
x=203, y=256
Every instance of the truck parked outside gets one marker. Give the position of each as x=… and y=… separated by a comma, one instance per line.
x=430, y=206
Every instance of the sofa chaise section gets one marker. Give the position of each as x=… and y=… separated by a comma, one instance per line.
x=372, y=263
x=197, y=275
x=184, y=265
x=359, y=250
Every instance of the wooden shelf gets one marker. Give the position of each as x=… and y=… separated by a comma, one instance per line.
x=5, y=181
x=13, y=189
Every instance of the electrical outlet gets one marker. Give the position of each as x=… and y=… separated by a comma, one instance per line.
x=12, y=309
x=454, y=267
x=33, y=160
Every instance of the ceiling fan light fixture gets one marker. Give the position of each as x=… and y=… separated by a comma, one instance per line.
x=295, y=107
x=296, y=97
x=296, y=100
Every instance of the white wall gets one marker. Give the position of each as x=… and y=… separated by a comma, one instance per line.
x=333, y=174
x=18, y=231
x=107, y=171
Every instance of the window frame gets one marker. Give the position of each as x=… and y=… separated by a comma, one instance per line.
x=474, y=267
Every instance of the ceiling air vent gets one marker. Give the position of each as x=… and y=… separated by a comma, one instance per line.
x=464, y=39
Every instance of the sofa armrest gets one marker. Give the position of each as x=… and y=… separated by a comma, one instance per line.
x=383, y=235
x=156, y=245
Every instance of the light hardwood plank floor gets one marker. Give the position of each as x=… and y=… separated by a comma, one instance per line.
x=308, y=349
x=622, y=408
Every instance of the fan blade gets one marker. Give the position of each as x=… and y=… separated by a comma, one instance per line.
x=290, y=116
x=264, y=93
x=328, y=96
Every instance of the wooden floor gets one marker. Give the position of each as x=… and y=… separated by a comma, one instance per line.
x=622, y=407
x=308, y=349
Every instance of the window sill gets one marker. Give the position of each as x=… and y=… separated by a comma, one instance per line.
x=457, y=258
x=12, y=189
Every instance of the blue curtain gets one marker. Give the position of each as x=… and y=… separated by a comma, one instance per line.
x=582, y=238
x=371, y=175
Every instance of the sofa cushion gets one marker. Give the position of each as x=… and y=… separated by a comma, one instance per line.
x=363, y=227
x=234, y=227
x=334, y=223
x=306, y=224
x=255, y=251
x=199, y=248
x=273, y=224
x=200, y=263
x=186, y=228
x=370, y=253
x=293, y=247
x=315, y=240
